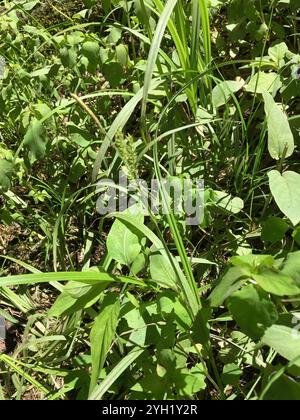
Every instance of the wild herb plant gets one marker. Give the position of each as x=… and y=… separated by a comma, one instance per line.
x=143, y=305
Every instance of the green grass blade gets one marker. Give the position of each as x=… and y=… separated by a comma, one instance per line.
x=204, y=12
x=86, y=277
x=195, y=34
x=21, y=264
x=159, y=33
x=188, y=283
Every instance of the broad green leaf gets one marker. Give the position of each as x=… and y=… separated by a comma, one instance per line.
x=182, y=318
x=296, y=235
x=280, y=137
x=91, y=50
x=200, y=329
x=190, y=381
x=142, y=12
x=274, y=230
x=123, y=241
x=35, y=140
x=115, y=35
x=261, y=32
x=278, y=52
x=41, y=72
x=285, y=340
x=137, y=324
x=122, y=54
x=41, y=110
x=291, y=267
x=114, y=73
x=102, y=334
x=138, y=265
x=172, y=370
x=78, y=169
x=285, y=189
x=159, y=246
x=253, y=261
x=231, y=374
x=166, y=302
x=253, y=311
x=29, y=5
x=282, y=389
x=225, y=201
x=264, y=82
x=161, y=270
x=276, y=283
x=67, y=303
x=224, y=91
x=68, y=57
x=151, y=386
x=5, y=173
x=244, y=350
x=232, y=281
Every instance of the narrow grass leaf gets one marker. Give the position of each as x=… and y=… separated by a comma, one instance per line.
x=81, y=277
x=159, y=33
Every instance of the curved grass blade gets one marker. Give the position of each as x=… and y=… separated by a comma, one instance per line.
x=204, y=13
x=159, y=33
x=11, y=363
x=86, y=277
x=21, y=264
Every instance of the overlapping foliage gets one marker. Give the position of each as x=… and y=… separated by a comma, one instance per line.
x=135, y=307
